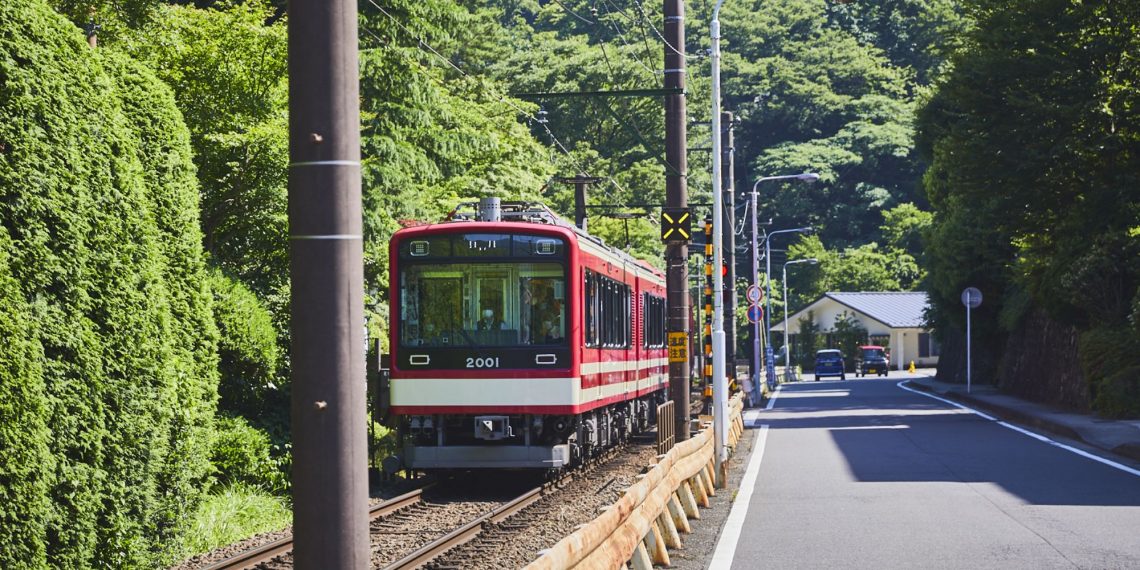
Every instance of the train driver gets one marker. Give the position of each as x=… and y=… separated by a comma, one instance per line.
x=490, y=322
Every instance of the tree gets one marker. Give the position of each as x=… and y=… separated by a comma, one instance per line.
x=228, y=71
x=862, y=268
x=812, y=97
x=902, y=232
x=1033, y=143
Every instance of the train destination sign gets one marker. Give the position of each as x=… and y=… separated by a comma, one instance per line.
x=678, y=347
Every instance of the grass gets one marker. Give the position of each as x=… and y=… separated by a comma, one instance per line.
x=234, y=514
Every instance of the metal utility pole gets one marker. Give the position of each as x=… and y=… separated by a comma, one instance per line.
x=769, y=360
x=677, y=196
x=330, y=476
x=727, y=159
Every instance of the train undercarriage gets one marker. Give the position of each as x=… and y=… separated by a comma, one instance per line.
x=519, y=441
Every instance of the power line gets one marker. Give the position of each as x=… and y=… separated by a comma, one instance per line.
x=422, y=44
x=571, y=12
x=641, y=11
x=652, y=72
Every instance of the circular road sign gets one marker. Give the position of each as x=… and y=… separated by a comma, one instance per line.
x=971, y=297
x=754, y=295
x=755, y=313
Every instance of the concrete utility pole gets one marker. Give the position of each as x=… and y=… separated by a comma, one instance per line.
x=720, y=383
x=727, y=165
x=677, y=196
x=330, y=469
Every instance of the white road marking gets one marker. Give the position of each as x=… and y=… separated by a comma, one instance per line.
x=734, y=524
x=730, y=535
x=1024, y=431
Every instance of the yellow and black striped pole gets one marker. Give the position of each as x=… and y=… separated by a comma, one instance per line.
x=708, y=304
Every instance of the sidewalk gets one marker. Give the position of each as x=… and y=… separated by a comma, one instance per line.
x=1121, y=437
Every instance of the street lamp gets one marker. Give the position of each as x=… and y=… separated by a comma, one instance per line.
x=806, y=177
x=769, y=358
x=720, y=383
x=787, y=349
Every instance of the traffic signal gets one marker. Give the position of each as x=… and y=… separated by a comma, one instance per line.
x=676, y=225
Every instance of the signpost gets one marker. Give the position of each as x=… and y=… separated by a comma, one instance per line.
x=754, y=295
x=770, y=366
x=971, y=298
x=755, y=313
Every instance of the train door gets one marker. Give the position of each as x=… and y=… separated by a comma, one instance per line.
x=591, y=329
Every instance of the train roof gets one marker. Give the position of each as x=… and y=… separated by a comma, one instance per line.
x=523, y=214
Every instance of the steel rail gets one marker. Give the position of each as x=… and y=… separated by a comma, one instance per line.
x=251, y=558
x=468, y=531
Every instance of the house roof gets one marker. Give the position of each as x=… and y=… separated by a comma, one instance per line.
x=894, y=309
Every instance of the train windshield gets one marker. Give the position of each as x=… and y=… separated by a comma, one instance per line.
x=501, y=293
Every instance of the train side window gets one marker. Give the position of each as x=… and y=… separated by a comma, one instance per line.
x=653, y=321
x=591, y=309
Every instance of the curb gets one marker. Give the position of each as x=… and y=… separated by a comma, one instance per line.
x=1129, y=450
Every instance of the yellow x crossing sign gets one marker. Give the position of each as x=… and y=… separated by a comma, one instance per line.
x=676, y=225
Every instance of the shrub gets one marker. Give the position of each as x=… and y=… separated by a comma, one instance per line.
x=98, y=196
x=1110, y=357
x=247, y=349
x=240, y=455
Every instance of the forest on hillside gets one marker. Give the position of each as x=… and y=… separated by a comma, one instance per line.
x=143, y=233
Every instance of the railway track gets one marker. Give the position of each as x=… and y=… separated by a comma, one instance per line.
x=468, y=531
x=260, y=555
x=406, y=530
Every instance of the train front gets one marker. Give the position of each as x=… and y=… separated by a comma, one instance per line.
x=483, y=371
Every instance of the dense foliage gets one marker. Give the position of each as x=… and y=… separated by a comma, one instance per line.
x=126, y=170
x=1034, y=140
x=98, y=198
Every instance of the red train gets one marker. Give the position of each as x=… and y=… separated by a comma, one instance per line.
x=520, y=341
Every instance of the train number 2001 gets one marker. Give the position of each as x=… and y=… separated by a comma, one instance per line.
x=489, y=362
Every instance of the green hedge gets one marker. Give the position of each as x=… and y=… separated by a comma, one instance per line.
x=97, y=194
x=23, y=428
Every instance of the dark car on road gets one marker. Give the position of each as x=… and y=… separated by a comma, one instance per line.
x=871, y=360
x=829, y=362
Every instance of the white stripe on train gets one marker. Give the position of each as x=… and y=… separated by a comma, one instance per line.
x=588, y=368
x=509, y=391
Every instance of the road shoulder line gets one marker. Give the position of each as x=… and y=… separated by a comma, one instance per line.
x=1026, y=432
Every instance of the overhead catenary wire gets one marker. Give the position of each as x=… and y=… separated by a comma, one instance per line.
x=645, y=38
x=502, y=98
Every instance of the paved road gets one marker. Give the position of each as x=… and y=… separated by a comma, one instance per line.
x=864, y=474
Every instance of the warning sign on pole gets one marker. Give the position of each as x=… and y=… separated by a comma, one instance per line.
x=678, y=347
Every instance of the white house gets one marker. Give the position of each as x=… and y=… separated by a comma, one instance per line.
x=892, y=319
